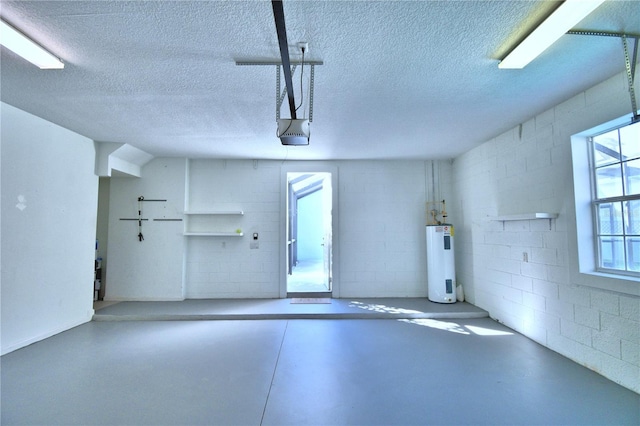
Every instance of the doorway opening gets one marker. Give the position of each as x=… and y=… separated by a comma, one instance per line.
x=309, y=234
x=102, y=234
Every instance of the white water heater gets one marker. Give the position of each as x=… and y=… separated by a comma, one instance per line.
x=441, y=273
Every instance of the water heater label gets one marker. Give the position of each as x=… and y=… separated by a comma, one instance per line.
x=446, y=229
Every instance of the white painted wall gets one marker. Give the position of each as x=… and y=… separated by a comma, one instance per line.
x=151, y=269
x=48, y=235
x=382, y=219
x=226, y=267
x=380, y=237
x=528, y=169
x=379, y=243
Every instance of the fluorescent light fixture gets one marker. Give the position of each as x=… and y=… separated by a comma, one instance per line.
x=561, y=20
x=21, y=45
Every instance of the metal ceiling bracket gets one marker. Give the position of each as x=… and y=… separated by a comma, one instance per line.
x=313, y=67
x=278, y=101
x=287, y=65
x=259, y=63
x=630, y=63
x=598, y=33
x=281, y=93
x=630, y=66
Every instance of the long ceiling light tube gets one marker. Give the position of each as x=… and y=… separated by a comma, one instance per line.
x=23, y=46
x=565, y=17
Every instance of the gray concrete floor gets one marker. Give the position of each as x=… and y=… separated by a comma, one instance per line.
x=303, y=372
x=307, y=277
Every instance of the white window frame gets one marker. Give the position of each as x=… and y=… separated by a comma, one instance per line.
x=588, y=273
x=597, y=201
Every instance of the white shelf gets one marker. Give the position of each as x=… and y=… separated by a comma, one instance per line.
x=526, y=216
x=213, y=234
x=215, y=212
x=212, y=223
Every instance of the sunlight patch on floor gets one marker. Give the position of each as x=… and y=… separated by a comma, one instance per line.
x=382, y=308
x=481, y=331
x=439, y=325
x=457, y=328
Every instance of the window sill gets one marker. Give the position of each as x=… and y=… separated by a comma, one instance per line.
x=623, y=284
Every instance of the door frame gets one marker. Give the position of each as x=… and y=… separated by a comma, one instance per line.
x=309, y=167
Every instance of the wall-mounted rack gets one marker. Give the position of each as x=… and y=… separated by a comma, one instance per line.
x=140, y=219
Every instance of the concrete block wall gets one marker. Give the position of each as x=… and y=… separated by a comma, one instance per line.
x=382, y=237
x=526, y=273
x=226, y=267
x=378, y=242
x=151, y=269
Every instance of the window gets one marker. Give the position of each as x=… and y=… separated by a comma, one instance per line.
x=615, y=165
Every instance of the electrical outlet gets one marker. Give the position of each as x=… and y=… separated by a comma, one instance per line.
x=525, y=256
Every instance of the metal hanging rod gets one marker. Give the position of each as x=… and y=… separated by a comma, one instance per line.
x=141, y=198
x=311, y=84
x=630, y=65
x=629, y=62
x=280, y=94
x=602, y=33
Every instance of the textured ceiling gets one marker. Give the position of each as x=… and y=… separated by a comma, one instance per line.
x=400, y=79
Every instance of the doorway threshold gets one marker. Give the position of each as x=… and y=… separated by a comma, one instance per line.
x=309, y=294
x=279, y=309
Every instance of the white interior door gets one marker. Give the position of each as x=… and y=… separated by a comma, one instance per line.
x=327, y=240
